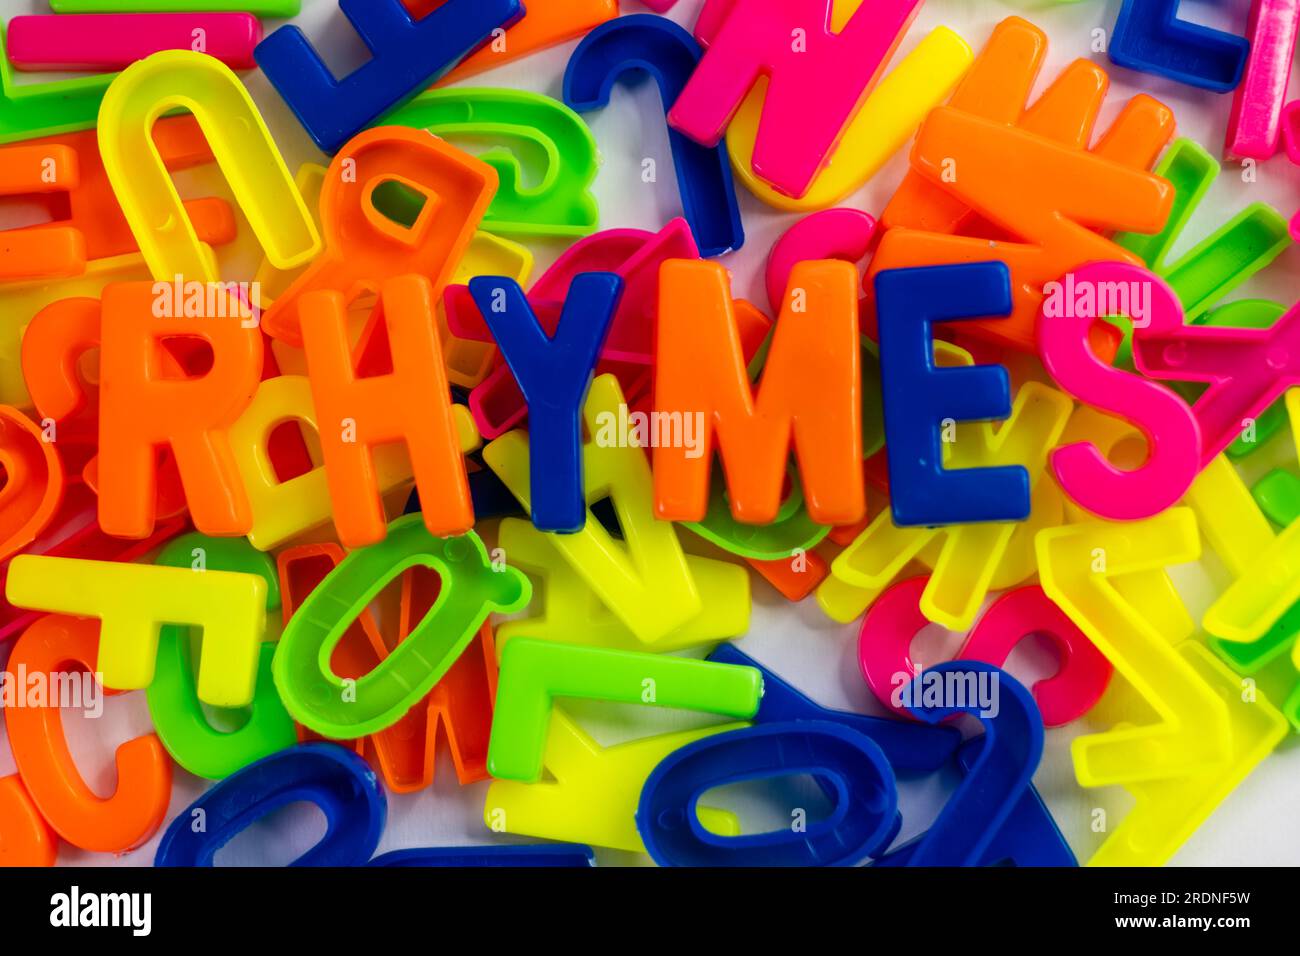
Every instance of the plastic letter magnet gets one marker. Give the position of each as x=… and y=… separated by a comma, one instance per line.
x=808, y=396
x=336, y=780
x=407, y=54
x=1149, y=37
x=897, y=616
x=1172, y=434
x=534, y=673
x=885, y=122
x=47, y=251
x=241, y=143
x=364, y=247
x=669, y=54
x=122, y=821
x=554, y=373
x=997, y=782
x=99, y=42
x=145, y=410
x=1254, y=125
x=817, y=78
x=471, y=589
x=919, y=397
x=559, y=202
x=409, y=404
x=134, y=603
x=866, y=797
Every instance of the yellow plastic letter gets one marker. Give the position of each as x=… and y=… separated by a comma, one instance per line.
x=884, y=122
x=648, y=583
x=594, y=796
x=134, y=601
x=243, y=148
x=1076, y=564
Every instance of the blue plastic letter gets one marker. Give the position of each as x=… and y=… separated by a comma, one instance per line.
x=919, y=398
x=554, y=373
x=866, y=797
x=407, y=55
x=1149, y=37
x=996, y=784
x=669, y=54
x=336, y=780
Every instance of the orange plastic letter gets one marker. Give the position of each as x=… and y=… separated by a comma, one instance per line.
x=86, y=203
x=810, y=392
x=363, y=246
x=49, y=251
x=144, y=771
x=412, y=405
x=141, y=410
x=1039, y=190
x=1009, y=168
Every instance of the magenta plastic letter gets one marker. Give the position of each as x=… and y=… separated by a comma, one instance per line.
x=105, y=42
x=1171, y=431
x=1246, y=369
x=1257, y=103
x=830, y=234
x=885, y=642
x=817, y=79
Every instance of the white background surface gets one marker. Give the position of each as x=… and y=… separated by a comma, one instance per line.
x=1258, y=824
